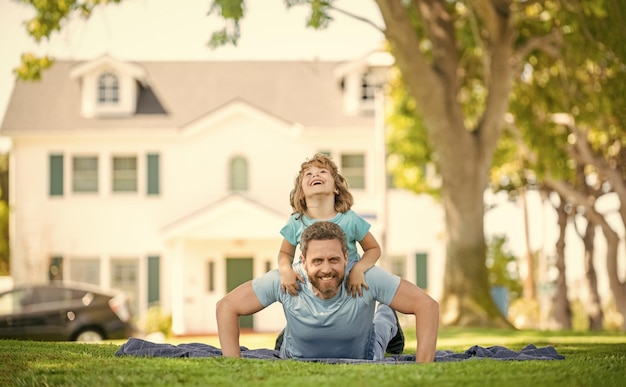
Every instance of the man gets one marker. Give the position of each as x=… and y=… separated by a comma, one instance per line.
x=324, y=321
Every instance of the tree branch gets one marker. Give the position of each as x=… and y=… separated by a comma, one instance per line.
x=417, y=74
x=496, y=16
x=355, y=16
x=439, y=27
x=550, y=44
x=589, y=156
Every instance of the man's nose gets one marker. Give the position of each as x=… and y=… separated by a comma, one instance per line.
x=326, y=267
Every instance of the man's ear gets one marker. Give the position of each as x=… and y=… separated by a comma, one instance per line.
x=302, y=259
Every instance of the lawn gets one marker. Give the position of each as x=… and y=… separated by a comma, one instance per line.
x=597, y=359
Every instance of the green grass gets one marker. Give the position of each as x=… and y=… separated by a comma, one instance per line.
x=597, y=359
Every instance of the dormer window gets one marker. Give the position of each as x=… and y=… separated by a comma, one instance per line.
x=362, y=80
x=108, y=89
x=369, y=85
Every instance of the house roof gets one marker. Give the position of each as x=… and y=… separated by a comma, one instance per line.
x=177, y=93
x=136, y=71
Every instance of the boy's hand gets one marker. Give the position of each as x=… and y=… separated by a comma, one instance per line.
x=288, y=282
x=356, y=283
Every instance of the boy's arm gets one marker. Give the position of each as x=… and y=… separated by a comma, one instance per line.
x=242, y=301
x=288, y=277
x=409, y=299
x=285, y=255
x=371, y=253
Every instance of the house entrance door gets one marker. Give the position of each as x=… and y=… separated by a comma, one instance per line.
x=238, y=271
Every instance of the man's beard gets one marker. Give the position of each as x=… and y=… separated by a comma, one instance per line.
x=327, y=289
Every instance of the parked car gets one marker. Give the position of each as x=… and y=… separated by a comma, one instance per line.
x=62, y=312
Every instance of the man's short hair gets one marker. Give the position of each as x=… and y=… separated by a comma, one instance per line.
x=320, y=231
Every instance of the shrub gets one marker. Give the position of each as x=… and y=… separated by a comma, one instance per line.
x=157, y=321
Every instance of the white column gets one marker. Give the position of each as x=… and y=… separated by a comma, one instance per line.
x=176, y=281
x=381, y=170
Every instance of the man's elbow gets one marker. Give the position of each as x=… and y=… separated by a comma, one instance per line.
x=435, y=309
x=432, y=306
x=427, y=307
x=222, y=307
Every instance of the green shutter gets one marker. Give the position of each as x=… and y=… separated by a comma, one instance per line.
x=421, y=270
x=56, y=175
x=154, y=275
x=211, y=276
x=153, y=174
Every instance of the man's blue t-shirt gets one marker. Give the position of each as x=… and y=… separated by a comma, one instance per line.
x=340, y=327
x=354, y=226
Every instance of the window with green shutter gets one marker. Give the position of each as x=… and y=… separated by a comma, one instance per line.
x=421, y=270
x=153, y=187
x=124, y=174
x=85, y=174
x=353, y=169
x=211, y=276
x=56, y=175
x=154, y=279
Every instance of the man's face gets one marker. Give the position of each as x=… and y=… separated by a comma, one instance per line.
x=325, y=264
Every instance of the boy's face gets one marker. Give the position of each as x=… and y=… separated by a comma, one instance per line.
x=318, y=180
x=325, y=264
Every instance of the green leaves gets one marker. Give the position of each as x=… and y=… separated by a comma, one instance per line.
x=50, y=16
x=232, y=11
x=32, y=66
x=228, y=9
x=319, y=18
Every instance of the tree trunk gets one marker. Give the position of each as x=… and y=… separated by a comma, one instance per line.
x=529, y=282
x=561, y=313
x=464, y=154
x=614, y=173
x=466, y=297
x=618, y=287
x=592, y=303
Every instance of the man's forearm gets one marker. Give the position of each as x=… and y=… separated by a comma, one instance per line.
x=228, y=330
x=240, y=302
x=426, y=330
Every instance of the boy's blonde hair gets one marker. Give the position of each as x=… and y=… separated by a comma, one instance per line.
x=343, y=199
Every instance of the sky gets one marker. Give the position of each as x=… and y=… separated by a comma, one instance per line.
x=163, y=29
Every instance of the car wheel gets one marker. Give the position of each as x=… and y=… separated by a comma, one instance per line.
x=89, y=336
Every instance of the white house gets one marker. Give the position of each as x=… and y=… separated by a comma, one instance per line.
x=171, y=180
